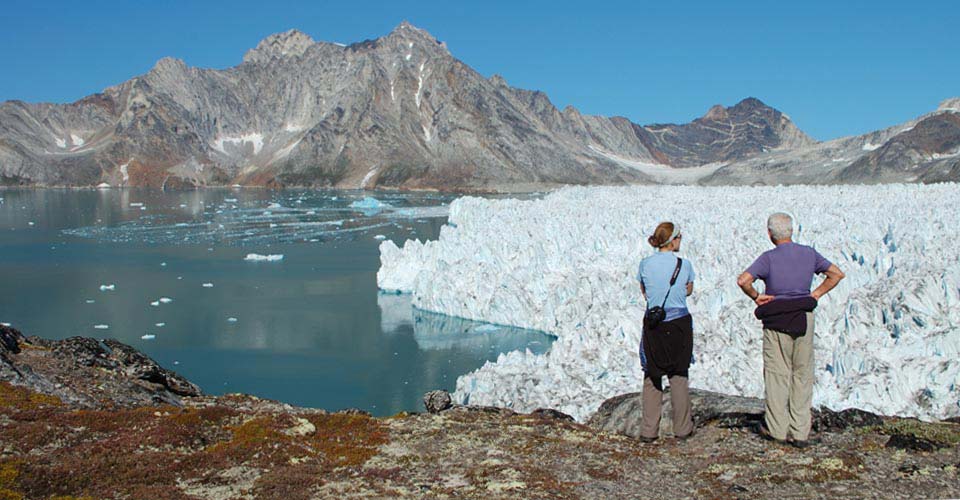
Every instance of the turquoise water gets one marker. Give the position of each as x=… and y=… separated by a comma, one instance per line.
x=310, y=329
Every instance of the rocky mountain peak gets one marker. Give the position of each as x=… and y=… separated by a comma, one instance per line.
x=716, y=113
x=406, y=32
x=292, y=43
x=951, y=104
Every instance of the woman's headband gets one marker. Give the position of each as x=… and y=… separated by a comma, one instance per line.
x=673, y=236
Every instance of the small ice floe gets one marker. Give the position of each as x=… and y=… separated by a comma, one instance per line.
x=160, y=325
x=155, y=303
x=231, y=319
x=31, y=223
x=208, y=285
x=108, y=288
x=255, y=257
x=230, y=200
x=370, y=205
x=103, y=185
x=165, y=300
x=176, y=362
x=102, y=327
x=179, y=277
x=183, y=205
x=311, y=212
x=163, y=264
x=148, y=336
x=380, y=237
x=90, y=301
x=274, y=205
x=5, y=324
x=136, y=204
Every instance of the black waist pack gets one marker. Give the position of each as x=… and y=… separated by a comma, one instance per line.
x=656, y=314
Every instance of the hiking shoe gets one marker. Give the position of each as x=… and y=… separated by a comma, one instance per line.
x=804, y=443
x=644, y=439
x=765, y=434
x=686, y=436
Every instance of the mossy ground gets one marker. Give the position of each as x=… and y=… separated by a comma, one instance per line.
x=241, y=447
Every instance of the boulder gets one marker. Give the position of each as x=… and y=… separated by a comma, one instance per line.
x=138, y=365
x=623, y=414
x=10, y=339
x=437, y=401
x=84, y=351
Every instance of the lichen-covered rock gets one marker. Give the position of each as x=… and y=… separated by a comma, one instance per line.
x=623, y=414
x=84, y=372
x=141, y=366
x=550, y=413
x=437, y=401
x=10, y=339
x=825, y=419
x=84, y=351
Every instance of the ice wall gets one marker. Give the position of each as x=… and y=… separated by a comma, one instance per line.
x=887, y=336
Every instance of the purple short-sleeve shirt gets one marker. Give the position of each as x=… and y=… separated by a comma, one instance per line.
x=788, y=269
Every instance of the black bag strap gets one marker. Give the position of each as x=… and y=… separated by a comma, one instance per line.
x=673, y=281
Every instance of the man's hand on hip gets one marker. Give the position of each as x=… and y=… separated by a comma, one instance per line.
x=763, y=299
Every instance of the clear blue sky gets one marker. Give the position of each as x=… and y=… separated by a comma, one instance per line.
x=837, y=68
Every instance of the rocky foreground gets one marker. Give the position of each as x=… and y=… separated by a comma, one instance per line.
x=83, y=418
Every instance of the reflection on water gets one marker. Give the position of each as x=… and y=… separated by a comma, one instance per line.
x=311, y=329
x=440, y=332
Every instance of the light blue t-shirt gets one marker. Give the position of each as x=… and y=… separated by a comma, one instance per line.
x=655, y=272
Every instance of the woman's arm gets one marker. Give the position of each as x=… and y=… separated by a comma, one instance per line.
x=689, y=288
x=643, y=290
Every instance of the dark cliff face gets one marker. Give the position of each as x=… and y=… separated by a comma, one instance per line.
x=399, y=111
x=725, y=135
x=929, y=152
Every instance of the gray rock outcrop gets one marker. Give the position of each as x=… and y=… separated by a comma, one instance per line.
x=437, y=401
x=85, y=372
x=623, y=414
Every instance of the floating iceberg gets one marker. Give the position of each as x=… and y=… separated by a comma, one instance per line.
x=108, y=288
x=148, y=336
x=208, y=285
x=255, y=257
x=887, y=336
x=101, y=327
x=165, y=300
x=370, y=205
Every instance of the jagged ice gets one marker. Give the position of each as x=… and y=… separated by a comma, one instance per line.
x=887, y=337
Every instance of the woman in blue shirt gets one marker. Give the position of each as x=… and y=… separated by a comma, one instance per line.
x=667, y=347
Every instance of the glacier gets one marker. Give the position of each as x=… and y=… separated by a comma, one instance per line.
x=887, y=338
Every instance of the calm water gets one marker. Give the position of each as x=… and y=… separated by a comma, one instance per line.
x=310, y=329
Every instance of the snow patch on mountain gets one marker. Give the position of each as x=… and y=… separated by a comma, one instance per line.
x=254, y=138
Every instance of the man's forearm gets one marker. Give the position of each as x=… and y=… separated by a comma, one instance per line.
x=834, y=275
x=750, y=291
x=828, y=284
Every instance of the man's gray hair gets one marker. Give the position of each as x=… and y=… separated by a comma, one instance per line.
x=780, y=226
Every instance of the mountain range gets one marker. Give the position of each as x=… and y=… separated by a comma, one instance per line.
x=400, y=112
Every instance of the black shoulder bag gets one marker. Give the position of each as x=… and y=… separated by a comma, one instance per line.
x=656, y=314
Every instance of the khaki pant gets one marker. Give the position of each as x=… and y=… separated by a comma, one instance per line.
x=788, y=382
x=679, y=400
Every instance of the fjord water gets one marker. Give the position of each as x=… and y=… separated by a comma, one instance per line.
x=310, y=329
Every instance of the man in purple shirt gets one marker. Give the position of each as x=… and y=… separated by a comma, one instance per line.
x=787, y=271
